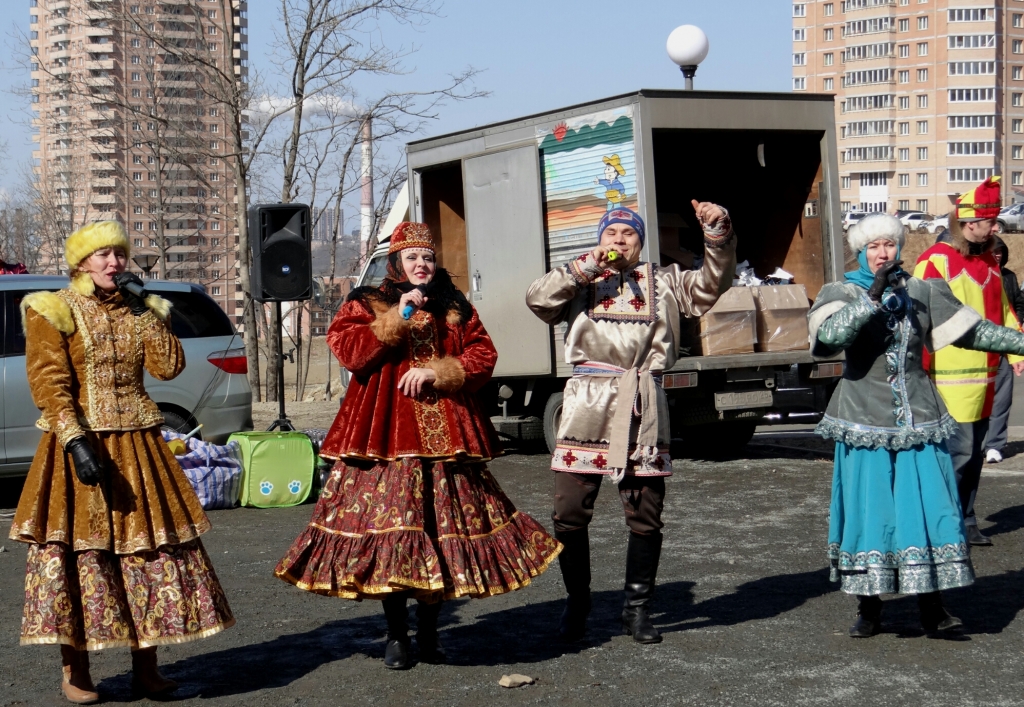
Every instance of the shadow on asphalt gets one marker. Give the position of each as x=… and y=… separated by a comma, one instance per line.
x=1007, y=520
x=521, y=634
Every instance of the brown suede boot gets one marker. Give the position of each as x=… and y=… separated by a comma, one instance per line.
x=146, y=678
x=77, y=684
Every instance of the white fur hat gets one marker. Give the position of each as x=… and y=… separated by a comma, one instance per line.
x=872, y=228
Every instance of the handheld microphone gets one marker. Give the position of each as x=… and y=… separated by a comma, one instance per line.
x=612, y=256
x=134, y=288
x=409, y=309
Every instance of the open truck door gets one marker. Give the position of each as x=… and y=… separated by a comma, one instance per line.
x=504, y=222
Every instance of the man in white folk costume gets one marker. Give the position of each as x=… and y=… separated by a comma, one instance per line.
x=624, y=323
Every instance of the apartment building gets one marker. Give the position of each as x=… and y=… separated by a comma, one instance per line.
x=929, y=95
x=129, y=129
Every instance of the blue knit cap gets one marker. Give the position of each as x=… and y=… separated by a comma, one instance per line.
x=626, y=216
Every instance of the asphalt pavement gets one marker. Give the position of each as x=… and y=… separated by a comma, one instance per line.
x=744, y=602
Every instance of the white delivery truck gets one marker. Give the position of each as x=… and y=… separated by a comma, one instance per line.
x=509, y=201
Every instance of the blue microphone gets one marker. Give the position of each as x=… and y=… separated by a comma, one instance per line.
x=408, y=310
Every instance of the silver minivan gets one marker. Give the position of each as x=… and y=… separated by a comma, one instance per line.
x=213, y=390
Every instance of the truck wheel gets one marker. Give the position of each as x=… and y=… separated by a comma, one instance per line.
x=552, y=419
x=719, y=440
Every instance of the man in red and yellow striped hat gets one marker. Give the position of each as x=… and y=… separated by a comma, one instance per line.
x=962, y=256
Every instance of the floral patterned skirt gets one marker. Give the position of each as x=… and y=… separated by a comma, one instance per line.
x=442, y=530
x=95, y=599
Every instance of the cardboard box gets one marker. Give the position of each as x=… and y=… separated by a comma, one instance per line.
x=730, y=327
x=781, y=317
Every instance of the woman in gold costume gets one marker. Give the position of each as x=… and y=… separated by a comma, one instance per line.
x=112, y=522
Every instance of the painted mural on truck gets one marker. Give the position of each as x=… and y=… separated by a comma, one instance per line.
x=589, y=167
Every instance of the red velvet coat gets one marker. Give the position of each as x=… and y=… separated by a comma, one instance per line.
x=377, y=421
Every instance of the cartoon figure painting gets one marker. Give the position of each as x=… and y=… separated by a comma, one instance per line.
x=614, y=192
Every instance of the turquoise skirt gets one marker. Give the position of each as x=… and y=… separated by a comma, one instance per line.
x=895, y=525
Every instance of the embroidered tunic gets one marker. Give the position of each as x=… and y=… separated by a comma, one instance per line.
x=623, y=331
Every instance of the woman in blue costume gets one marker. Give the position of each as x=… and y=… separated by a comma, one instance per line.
x=895, y=520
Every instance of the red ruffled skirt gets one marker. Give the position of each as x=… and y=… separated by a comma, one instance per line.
x=441, y=529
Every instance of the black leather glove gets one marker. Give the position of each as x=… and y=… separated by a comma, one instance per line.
x=88, y=468
x=882, y=279
x=136, y=301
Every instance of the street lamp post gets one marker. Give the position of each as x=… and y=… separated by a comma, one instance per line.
x=146, y=261
x=688, y=46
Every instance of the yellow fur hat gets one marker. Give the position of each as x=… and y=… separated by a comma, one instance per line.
x=93, y=236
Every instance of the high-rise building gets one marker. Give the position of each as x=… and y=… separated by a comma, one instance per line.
x=323, y=218
x=129, y=128
x=929, y=95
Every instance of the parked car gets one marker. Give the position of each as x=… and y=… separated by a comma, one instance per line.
x=1011, y=218
x=935, y=225
x=212, y=390
x=852, y=217
x=914, y=220
x=904, y=213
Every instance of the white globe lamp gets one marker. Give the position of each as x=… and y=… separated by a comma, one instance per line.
x=688, y=46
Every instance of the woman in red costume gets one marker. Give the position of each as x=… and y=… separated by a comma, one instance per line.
x=410, y=509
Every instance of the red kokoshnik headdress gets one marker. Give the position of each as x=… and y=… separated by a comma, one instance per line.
x=409, y=234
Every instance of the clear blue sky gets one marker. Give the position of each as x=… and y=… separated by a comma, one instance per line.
x=537, y=54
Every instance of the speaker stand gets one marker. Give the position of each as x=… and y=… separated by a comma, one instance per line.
x=282, y=422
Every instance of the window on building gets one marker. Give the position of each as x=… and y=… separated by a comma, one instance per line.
x=922, y=100
x=844, y=206
x=922, y=75
x=904, y=102
x=922, y=179
x=1018, y=73
x=904, y=25
x=1017, y=99
x=904, y=154
x=904, y=51
x=1017, y=152
x=904, y=77
x=922, y=205
x=922, y=154
x=829, y=34
x=922, y=127
x=922, y=48
x=137, y=176
x=904, y=128
x=136, y=93
x=828, y=59
x=828, y=9
x=1018, y=20
x=1017, y=178
x=847, y=182
x=800, y=59
x=138, y=226
x=137, y=159
x=903, y=205
x=828, y=84
x=1018, y=46
x=922, y=22
x=212, y=14
x=969, y=174
x=136, y=76
x=800, y=35
x=799, y=9
x=904, y=180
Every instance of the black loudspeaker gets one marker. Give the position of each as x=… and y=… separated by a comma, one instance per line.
x=282, y=263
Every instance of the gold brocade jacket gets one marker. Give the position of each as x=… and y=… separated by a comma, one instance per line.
x=85, y=358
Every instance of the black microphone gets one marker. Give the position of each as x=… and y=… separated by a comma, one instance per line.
x=133, y=287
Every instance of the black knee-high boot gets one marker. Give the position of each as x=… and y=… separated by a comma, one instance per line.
x=396, y=655
x=934, y=617
x=869, y=617
x=574, y=561
x=427, y=639
x=642, y=556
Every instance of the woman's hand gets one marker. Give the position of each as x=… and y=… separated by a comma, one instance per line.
x=87, y=467
x=881, y=280
x=616, y=262
x=411, y=384
x=415, y=297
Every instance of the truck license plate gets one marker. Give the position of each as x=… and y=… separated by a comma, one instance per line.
x=742, y=400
